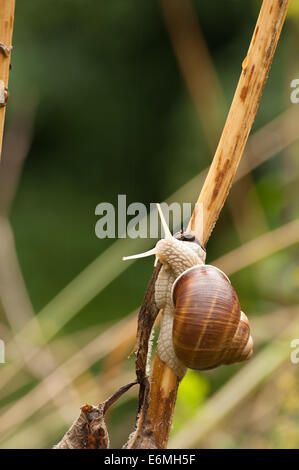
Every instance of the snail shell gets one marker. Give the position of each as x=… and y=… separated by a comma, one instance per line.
x=209, y=328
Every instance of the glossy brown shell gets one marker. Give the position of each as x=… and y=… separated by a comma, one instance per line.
x=209, y=328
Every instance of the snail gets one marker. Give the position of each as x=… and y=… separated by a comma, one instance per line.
x=202, y=323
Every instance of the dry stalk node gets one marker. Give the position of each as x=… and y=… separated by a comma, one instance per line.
x=6, y=50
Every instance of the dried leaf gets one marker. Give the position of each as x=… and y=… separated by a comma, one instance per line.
x=89, y=430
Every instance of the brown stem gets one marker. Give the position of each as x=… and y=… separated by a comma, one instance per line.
x=7, y=8
x=255, y=69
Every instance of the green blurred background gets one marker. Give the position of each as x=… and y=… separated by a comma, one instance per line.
x=110, y=113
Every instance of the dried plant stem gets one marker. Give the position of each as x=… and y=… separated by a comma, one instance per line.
x=7, y=8
x=255, y=69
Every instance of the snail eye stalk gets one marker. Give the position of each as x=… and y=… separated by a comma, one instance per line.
x=153, y=251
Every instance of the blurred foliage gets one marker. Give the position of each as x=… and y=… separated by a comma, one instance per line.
x=114, y=117
x=294, y=10
x=269, y=419
x=191, y=394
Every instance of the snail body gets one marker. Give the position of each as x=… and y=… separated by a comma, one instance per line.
x=202, y=323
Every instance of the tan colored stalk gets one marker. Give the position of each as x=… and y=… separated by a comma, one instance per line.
x=255, y=70
x=7, y=8
x=198, y=70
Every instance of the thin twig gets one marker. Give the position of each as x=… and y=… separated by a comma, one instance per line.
x=7, y=8
x=255, y=69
